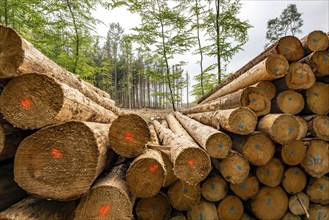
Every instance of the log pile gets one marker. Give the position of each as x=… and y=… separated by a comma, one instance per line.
x=256, y=148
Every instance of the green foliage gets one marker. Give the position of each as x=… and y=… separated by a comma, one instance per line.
x=289, y=22
x=209, y=80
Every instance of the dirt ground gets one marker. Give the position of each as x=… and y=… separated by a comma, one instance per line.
x=150, y=114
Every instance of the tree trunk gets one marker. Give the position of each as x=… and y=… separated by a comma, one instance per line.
x=271, y=173
x=147, y=171
x=108, y=198
x=10, y=137
x=154, y=208
x=250, y=97
x=191, y=163
x=282, y=128
x=300, y=76
x=20, y=57
x=316, y=163
x=10, y=192
x=256, y=147
x=177, y=128
x=294, y=180
x=293, y=153
x=32, y=208
x=128, y=135
x=214, y=188
x=267, y=200
x=318, y=126
x=318, y=189
x=238, y=120
x=203, y=210
x=62, y=161
x=247, y=189
x=216, y=143
x=230, y=207
x=317, y=100
x=289, y=102
x=35, y=100
x=183, y=196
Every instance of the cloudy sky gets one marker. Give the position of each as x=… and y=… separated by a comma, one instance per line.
x=315, y=14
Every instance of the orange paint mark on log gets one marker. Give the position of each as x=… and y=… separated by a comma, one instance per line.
x=129, y=136
x=153, y=168
x=104, y=210
x=57, y=154
x=191, y=163
x=26, y=103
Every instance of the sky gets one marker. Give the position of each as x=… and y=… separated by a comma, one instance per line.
x=315, y=14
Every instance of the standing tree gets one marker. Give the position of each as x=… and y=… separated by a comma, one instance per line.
x=289, y=22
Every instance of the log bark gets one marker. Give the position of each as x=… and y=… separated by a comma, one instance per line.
x=191, y=163
x=35, y=208
x=316, y=41
x=215, y=142
x=318, y=212
x=318, y=126
x=318, y=190
x=282, y=128
x=177, y=128
x=154, y=208
x=257, y=147
x=300, y=76
x=294, y=180
x=19, y=57
x=214, y=188
x=230, y=207
x=147, y=171
x=62, y=161
x=10, y=137
x=317, y=100
x=128, y=135
x=10, y=192
x=289, y=102
x=267, y=87
x=237, y=121
x=316, y=162
x=250, y=97
x=234, y=168
x=302, y=127
x=34, y=100
x=108, y=198
x=273, y=67
x=298, y=203
x=269, y=199
x=203, y=210
x=247, y=189
x=183, y=196
x=271, y=173
x=293, y=153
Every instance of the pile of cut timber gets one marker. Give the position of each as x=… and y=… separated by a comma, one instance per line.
x=241, y=154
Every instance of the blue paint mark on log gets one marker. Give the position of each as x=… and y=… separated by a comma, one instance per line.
x=325, y=122
x=154, y=207
x=201, y=216
x=290, y=130
x=276, y=69
x=297, y=172
x=268, y=172
x=315, y=94
x=314, y=40
x=292, y=153
x=321, y=187
x=290, y=99
x=319, y=216
x=212, y=186
x=254, y=100
x=286, y=50
x=239, y=167
x=268, y=202
x=301, y=76
x=232, y=208
x=324, y=59
x=257, y=146
x=220, y=146
x=185, y=190
x=244, y=185
x=241, y=126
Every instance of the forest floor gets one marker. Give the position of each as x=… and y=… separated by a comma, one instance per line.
x=149, y=114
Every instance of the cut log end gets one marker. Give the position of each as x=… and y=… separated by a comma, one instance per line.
x=317, y=41
x=234, y=168
x=267, y=87
x=317, y=98
x=214, y=189
x=28, y=106
x=318, y=190
x=104, y=202
x=59, y=162
x=203, y=210
x=247, y=189
x=269, y=199
x=290, y=102
x=321, y=60
x=218, y=145
x=293, y=153
x=294, y=180
x=192, y=165
x=255, y=99
x=230, y=207
x=320, y=127
x=291, y=48
x=300, y=76
x=299, y=204
x=271, y=174
x=242, y=121
x=277, y=65
x=154, y=208
x=128, y=135
x=11, y=53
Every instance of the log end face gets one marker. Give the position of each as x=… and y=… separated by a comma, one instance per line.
x=277, y=65
x=300, y=76
x=154, y=208
x=321, y=60
x=293, y=153
x=320, y=127
x=218, y=145
x=271, y=173
x=294, y=180
x=290, y=102
x=214, y=189
x=255, y=99
x=128, y=135
x=230, y=207
x=234, y=168
x=11, y=52
x=59, y=162
x=31, y=101
x=243, y=121
x=291, y=48
x=247, y=189
x=317, y=41
x=285, y=129
x=317, y=98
